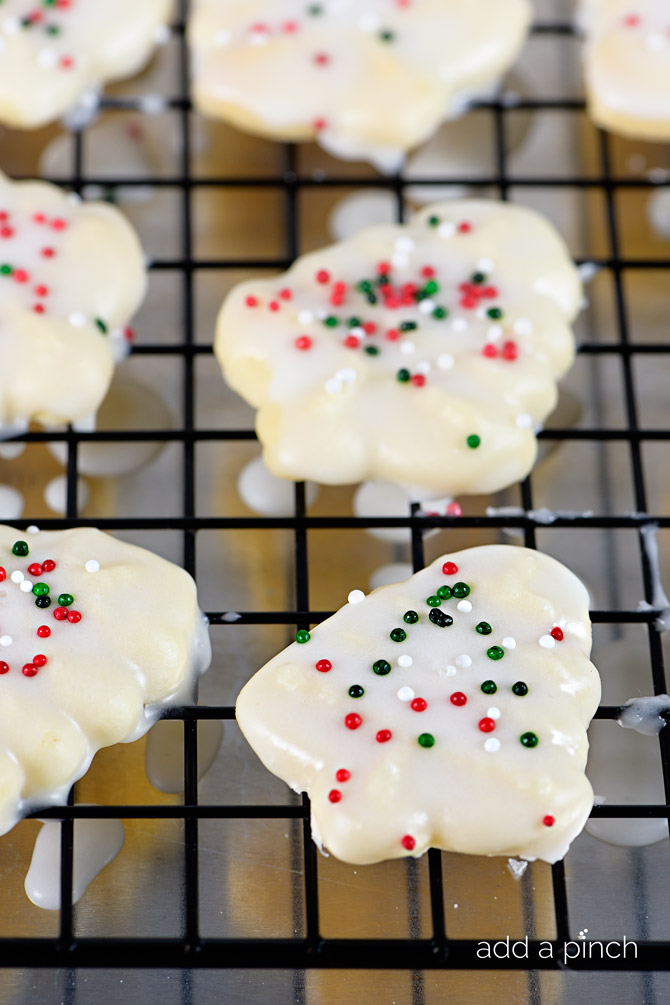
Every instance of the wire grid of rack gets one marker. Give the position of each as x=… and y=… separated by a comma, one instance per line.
x=312, y=950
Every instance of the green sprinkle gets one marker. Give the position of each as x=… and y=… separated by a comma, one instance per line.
x=40, y=589
x=331, y=321
x=431, y=287
x=529, y=739
x=433, y=221
x=408, y=326
x=426, y=740
x=65, y=599
x=381, y=668
x=495, y=313
x=43, y=602
x=483, y=628
x=398, y=635
x=403, y=376
x=460, y=590
x=444, y=592
x=301, y=636
x=20, y=548
x=473, y=441
x=410, y=617
x=386, y=36
x=433, y=601
x=354, y=323
x=372, y=350
x=478, y=277
x=489, y=687
x=371, y=298
x=6, y=270
x=520, y=688
x=315, y=9
x=495, y=653
x=53, y=29
x=101, y=325
x=440, y=313
x=365, y=286
x=356, y=691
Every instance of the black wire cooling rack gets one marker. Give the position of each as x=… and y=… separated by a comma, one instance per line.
x=312, y=951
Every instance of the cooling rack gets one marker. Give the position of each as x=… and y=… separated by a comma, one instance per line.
x=417, y=955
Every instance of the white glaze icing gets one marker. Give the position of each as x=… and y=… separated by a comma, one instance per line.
x=96, y=844
x=627, y=65
x=164, y=756
x=645, y=714
x=331, y=412
x=140, y=645
x=51, y=56
x=74, y=275
x=458, y=794
x=264, y=493
x=366, y=80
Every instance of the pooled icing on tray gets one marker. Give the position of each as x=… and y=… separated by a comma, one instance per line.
x=448, y=711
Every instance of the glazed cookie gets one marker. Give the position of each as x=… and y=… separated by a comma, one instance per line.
x=627, y=66
x=423, y=355
x=71, y=276
x=89, y=655
x=365, y=80
x=52, y=51
x=448, y=711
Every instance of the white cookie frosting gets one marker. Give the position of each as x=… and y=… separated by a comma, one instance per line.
x=71, y=276
x=366, y=80
x=418, y=719
x=424, y=355
x=627, y=65
x=121, y=637
x=52, y=51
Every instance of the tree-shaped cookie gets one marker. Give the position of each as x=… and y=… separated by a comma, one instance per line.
x=448, y=711
x=52, y=51
x=424, y=355
x=365, y=80
x=71, y=276
x=96, y=636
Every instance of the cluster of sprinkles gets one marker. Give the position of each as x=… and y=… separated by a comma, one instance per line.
x=33, y=582
x=457, y=591
x=655, y=40
x=47, y=20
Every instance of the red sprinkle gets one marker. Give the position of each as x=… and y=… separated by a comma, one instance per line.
x=39, y=218
x=418, y=380
x=20, y=276
x=487, y=725
x=490, y=350
x=290, y=26
x=384, y=268
x=383, y=736
x=369, y=327
x=334, y=795
x=454, y=509
x=323, y=276
x=419, y=704
x=320, y=124
x=428, y=271
x=29, y=670
x=464, y=227
x=342, y=775
x=352, y=342
x=74, y=617
x=60, y=613
x=41, y=291
x=49, y=565
x=4, y=667
x=557, y=633
x=632, y=20
x=548, y=821
x=408, y=842
x=6, y=232
x=353, y=720
x=393, y=334
x=3, y=574
x=303, y=342
x=58, y=224
x=44, y=632
x=39, y=660
x=450, y=568
x=273, y=305
x=48, y=252
x=510, y=350
x=458, y=698
x=35, y=569
x=321, y=58
x=251, y=302
x=323, y=666
x=285, y=294
x=39, y=308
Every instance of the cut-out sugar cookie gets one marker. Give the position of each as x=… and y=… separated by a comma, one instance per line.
x=72, y=274
x=368, y=80
x=96, y=637
x=424, y=355
x=448, y=711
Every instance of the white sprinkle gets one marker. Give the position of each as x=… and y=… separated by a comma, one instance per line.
x=423, y=366
x=547, y=642
x=446, y=229
x=655, y=41
x=451, y=671
x=400, y=261
x=77, y=319
x=73, y=199
x=485, y=265
x=524, y=420
x=92, y=565
x=333, y=386
x=405, y=660
x=33, y=529
x=403, y=244
x=11, y=26
x=427, y=306
x=47, y=57
x=493, y=712
x=230, y=616
x=222, y=38
x=494, y=333
x=368, y=22
x=6, y=640
x=491, y=746
x=321, y=314
x=509, y=642
x=346, y=376
x=464, y=606
x=17, y=576
x=463, y=661
x=305, y=317
x=523, y=326
x=459, y=325
x=445, y=361
x=26, y=586
x=356, y=596
x=357, y=331
x=407, y=347
x=405, y=693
